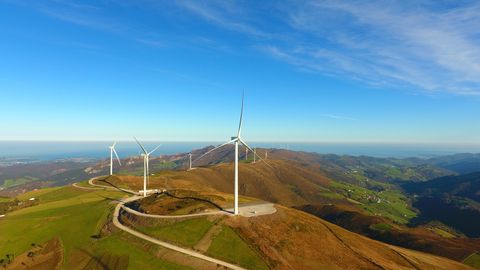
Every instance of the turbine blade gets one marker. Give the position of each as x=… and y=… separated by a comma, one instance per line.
x=241, y=116
x=119, y=162
x=114, y=143
x=208, y=152
x=254, y=152
x=154, y=149
x=141, y=146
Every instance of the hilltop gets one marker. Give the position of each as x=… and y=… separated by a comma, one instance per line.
x=287, y=239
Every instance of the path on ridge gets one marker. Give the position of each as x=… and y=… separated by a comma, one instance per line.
x=118, y=224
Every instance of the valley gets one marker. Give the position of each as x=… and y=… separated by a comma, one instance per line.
x=373, y=205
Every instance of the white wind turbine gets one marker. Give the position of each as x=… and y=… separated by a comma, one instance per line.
x=236, y=140
x=112, y=151
x=145, y=155
x=190, y=161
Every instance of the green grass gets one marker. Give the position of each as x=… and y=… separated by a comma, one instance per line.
x=73, y=219
x=83, y=184
x=186, y=233
x=124, y=245
x=393, y=204
x=443, y=233
x=17, y=181
x=473, y=260
x=5, y=199
x=75, y=216
x=227, y=245
x=330, y=195
x=37, y=193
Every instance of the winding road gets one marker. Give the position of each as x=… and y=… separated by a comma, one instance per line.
x=118, y=224
x=189, y=252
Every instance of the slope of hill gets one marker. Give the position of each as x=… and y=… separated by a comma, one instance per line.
x=459, y=163
x=453, y=200
x=342, y=167
x=467, y=185
x=296, y=240
x=286, y=182
x=430, y=239
x=289, y=239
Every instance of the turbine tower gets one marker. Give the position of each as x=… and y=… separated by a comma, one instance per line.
x=145, y=155
x=190, y=161
x=112, y=151
x=246, y=154
x=254, y=153
x=236, y=140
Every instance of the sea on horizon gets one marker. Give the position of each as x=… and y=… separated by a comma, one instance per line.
x=51, y=150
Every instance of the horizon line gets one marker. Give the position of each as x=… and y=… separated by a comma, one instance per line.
x=252, y=141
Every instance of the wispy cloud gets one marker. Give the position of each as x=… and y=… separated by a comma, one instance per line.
x=396, y=44
x=339, y=117
x=426, y=45
x=76, y=13
x=227, y=14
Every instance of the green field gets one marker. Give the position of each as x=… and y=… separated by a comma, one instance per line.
x=139, y=253
x=227, y=245
x=83, y=184
x=17, y=181
x=389, y=203
x=76, y=217
x=5, y=199
x=186, y=233
x=473, y=260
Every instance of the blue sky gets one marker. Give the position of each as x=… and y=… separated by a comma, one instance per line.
x=313, y=71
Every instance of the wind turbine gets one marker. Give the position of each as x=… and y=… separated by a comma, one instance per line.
x=112, y=151
x=145, y=155
x=235, y=140
x=190, y=161
x=246, y=154
x=254, y=153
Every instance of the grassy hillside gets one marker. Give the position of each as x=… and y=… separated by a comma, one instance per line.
x=76, y=218
x=288, y=239
x=285, y=182
x=453, y=200
x=432, y=239
x=295, y=240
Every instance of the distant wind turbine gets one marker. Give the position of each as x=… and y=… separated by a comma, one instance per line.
x=145, y=155
x=190, y=161
x=112, y=151
x=236, y=140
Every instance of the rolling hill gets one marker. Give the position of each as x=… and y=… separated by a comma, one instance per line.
x=289, y=239
x=431, y=239
x=453, y=200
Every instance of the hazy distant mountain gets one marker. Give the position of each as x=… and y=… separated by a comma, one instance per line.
x=460, y=163
x=467, y=185
x=453, y=200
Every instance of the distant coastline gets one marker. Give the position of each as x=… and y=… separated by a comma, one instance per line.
x=37, y=150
